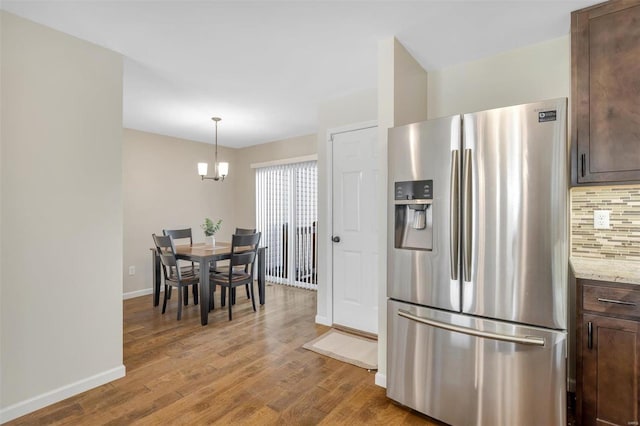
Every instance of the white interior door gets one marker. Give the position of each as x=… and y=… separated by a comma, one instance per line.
x=355, y=234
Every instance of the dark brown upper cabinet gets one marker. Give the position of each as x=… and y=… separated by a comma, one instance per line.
x=605, y=92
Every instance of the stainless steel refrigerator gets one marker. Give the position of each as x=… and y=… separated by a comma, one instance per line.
x=477, y=266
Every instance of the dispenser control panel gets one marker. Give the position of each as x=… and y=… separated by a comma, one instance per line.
x=414, y=190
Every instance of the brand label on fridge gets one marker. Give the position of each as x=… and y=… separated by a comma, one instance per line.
x=547, y=116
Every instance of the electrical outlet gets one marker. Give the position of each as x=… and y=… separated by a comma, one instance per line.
x=132, y=270
x=601, y=219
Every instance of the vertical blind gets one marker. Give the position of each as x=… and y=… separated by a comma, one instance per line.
x=287, y=216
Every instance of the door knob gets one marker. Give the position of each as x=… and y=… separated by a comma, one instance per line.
x=335, y=239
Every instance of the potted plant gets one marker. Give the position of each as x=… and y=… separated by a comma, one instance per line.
x=210, y=228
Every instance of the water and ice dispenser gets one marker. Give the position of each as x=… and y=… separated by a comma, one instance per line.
x=414, y=215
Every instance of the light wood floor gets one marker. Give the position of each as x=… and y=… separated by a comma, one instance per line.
x=251, y=370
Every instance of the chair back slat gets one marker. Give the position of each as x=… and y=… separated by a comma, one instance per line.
x=243, y=231
x=243, y=258
x=168, y=259
x=178, y=234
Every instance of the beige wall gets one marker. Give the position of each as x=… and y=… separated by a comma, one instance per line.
x=537, y=72
x=61, y=282
x=162, y=190
x=245, y=201
x=410, y=83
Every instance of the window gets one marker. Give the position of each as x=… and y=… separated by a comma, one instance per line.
x=287, y=216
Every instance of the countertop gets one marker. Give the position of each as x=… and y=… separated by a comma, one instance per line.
x=618, y=271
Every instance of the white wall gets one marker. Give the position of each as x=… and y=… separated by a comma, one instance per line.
x=162, y=190
x=354, y=108
x=61, y=282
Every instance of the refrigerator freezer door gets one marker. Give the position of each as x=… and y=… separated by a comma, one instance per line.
x=515, y=214
x=424, y=272
x=470, y=371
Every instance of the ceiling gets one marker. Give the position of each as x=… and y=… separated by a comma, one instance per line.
x=265, y=66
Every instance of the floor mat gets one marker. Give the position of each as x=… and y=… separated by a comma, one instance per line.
x=346, y=347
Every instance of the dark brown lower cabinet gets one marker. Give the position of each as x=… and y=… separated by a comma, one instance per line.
x=610, y=371
x=609, y=357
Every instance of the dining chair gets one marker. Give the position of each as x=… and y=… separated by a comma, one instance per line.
x=184, y=234
x=244, y=248
x=174, y=276
x=224, y=268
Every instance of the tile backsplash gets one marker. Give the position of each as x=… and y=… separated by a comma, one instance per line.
x=622, y=240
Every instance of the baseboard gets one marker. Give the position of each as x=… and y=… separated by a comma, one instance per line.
x=381, y=380
x=323, y=320
x=32, y=404
x=137, y=293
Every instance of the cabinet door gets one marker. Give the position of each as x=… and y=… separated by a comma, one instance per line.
x=606, y=92
x=610, y=371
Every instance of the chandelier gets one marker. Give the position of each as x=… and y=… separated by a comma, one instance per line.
x=221, y=169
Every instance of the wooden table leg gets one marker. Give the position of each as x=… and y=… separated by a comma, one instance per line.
x=261, y=274
x=155, y=267
x=204, y=292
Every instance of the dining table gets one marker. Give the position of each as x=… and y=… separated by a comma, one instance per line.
x=205, y=255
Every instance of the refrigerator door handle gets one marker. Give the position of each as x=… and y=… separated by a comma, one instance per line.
x=454, y=207
x=467, y=216
x=523, y=340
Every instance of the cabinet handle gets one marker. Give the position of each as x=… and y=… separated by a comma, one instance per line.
x=590, y=335
x=583, y=161
x=617, y=302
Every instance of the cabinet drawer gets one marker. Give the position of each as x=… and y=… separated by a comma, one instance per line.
x=611, y=300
